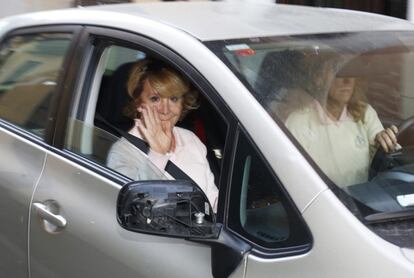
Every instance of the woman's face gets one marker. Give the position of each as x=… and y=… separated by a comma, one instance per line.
x=168, y=108
x=341, y=90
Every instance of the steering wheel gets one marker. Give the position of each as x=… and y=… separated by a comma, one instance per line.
x=383, y=161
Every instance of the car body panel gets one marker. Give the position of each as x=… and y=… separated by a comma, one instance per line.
x=231, y=20
x=93, y=244
x=20, y=168
x=343, y=252
x=259, y=20
x=409, y=253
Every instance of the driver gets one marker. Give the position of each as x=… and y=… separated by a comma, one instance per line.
x=340, y=130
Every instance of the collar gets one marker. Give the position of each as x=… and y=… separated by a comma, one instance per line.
x=324, y=115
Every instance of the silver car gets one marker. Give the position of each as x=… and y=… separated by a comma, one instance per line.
x=289, y=205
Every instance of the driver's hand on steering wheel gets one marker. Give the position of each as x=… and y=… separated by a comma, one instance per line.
x=387, y=139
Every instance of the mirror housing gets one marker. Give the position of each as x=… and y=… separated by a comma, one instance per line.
x=166, y=207
x=172, y=208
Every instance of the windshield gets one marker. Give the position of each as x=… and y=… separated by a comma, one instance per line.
x=347, y=100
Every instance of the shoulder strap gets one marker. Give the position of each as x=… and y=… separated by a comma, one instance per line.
x=170, y=168
x=176, y=172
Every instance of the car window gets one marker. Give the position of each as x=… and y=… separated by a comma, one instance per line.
x=259, y=209
x=100, y=122
x=29, y=69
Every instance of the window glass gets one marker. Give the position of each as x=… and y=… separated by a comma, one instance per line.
x=96, y=143
x=347, y=99
x=29, y=70
x=259, y=209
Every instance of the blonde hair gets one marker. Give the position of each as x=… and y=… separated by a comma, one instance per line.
x=162, y=78
x=357, y=105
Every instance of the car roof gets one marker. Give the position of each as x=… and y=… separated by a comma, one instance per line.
x=222, y=20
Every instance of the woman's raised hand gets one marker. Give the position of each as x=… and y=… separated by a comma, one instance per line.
x=157, y=133
x=387, y=139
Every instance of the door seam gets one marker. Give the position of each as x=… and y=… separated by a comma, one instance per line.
x=245, y=265
x=30, y=213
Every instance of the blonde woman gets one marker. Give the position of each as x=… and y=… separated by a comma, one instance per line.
x=160, y=97
x=340, y=130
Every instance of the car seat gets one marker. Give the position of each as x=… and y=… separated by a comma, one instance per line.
x=281, y=82
x=113, y=97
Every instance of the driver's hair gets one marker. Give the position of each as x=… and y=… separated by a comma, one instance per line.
x=326, y=66
x=358, y=103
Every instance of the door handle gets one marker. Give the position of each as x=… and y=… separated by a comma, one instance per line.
x=43, y=211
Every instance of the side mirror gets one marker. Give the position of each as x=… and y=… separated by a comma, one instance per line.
x=174, y=208
x=179, y=208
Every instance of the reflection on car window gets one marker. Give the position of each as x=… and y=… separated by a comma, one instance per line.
x=347, y=99
x=29, y=68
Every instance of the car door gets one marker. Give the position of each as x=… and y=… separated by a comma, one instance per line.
x=30, y=63
x=74, y=230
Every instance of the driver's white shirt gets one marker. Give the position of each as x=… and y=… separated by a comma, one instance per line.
x=342, y=149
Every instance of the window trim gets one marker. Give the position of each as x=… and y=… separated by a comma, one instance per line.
x=50, y=126
x=257, y=249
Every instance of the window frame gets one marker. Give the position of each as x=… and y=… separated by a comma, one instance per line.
x=258, y=249
x=92, y=43
x=61, y=80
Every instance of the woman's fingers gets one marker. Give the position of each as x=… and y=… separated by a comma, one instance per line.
x=157, y=119
x=148, y=117
x=388, y=141
x=167, y=127
x=387, y=138
x=152, y=138
x=151, y=116
x=144, y=115
x=141, y=127
x=391, y=135
x=152, y=129
x=137, y=122
x=382, y=143
x=145, y=125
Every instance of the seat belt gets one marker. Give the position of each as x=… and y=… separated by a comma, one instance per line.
x=170, y=168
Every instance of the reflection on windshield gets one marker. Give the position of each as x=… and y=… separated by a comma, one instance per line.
x=348, y=101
